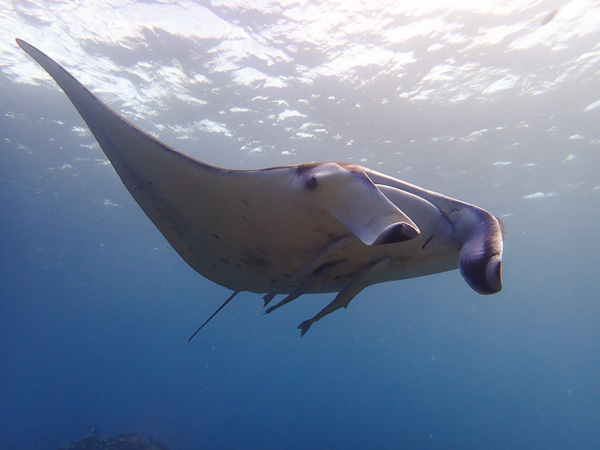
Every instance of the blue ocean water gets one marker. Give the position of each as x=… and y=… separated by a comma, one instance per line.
x=487, y=106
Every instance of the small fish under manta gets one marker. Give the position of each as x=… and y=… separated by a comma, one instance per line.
x=309, y=228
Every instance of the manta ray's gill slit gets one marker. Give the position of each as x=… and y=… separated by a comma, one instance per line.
x=427, y=241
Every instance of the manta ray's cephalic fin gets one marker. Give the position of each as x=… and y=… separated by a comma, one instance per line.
x=369, y=214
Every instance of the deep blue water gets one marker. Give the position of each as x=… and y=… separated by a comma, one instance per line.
x=96, y=308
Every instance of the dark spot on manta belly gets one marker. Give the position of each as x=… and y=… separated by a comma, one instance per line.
x=216, y=236
x=254, y=259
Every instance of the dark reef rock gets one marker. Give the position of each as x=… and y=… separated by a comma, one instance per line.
x=129, y=441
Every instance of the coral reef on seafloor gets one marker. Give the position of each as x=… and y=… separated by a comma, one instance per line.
x=130, y=441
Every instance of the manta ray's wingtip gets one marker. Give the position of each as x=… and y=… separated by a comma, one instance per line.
x=21, y=43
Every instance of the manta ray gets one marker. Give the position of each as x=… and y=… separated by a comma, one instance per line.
x=309, y=228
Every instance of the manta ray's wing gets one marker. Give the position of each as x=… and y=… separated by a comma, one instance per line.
x=246, y=230
x=160, y=179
